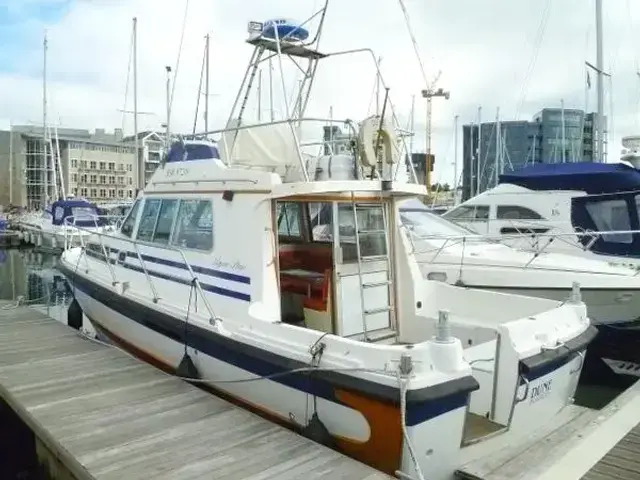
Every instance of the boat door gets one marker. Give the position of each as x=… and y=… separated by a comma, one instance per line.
x=362, y=270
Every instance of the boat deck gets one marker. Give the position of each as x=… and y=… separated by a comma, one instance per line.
x=106, y=415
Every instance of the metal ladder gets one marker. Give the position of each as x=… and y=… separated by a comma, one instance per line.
x=389, y=308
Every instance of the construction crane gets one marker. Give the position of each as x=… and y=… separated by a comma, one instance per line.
x=429, y=93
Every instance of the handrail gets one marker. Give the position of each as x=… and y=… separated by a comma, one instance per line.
x=451, y=241
x=213, y=318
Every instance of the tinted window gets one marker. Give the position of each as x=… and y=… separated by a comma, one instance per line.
x=162, y=231
x=148, y=219
x=609, y=215
x=194, y=227
x=514, y=212
x=130, y=221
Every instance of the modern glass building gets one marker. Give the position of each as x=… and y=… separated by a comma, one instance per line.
x=489, y=151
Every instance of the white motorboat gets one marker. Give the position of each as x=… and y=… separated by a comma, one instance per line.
x=217, y=273
x=51, y=227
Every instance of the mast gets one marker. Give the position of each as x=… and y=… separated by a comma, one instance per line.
x=479, y=150
x=10, y=163
x=59, y=164
x=206, y=86
x=44, y=125
x=168, y=131
x=564, y=149
x=600, y=81
x=139, y=158
x=498, y=146
x=455, y=160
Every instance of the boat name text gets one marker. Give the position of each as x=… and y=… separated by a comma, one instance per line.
x=540, y=391
x=235, y=265
x=177, y=172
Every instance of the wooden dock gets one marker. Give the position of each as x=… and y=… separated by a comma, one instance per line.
x=98, y=413
x=582, y=443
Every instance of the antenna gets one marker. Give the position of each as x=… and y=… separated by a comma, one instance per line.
x=45, y=194
x=429, y=93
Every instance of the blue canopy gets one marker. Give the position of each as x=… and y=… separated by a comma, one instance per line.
x=188, y=151
x=592, y=178
x=287, y=30
x=78, y=212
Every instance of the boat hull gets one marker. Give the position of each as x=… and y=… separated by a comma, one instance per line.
x=361, y=422
x=618, y=339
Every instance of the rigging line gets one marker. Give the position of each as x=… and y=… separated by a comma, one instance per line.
x=540, y=33
x=195, y=119
x=413, y=40
x=126, y=87
x=175, y=75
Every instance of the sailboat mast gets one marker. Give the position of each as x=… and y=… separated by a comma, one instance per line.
x=206, y=85
x=455, y=160
x=44, y=125
x=498, y=159
x=600, y=81
x=139, y=158
x=478, y=151
x=564, y=149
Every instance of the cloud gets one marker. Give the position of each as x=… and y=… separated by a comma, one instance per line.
x=484, y=50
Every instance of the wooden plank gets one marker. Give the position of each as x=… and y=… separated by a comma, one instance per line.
x=569, y=448
x=109, y=416
x=622, y=462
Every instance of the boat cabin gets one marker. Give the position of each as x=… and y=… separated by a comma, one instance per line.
x=77, y=211
x=333, y=270
x=562, y=198
x=330, y=253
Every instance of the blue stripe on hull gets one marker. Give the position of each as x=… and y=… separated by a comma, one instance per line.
x=422, y=405
x=172, y=278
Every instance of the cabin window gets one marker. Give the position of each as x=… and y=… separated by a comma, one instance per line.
x=609, y=215
x=83, y=213
x=469, y=212
x=130, y=221
x=148, y=219
x=162, y=233
x=516, y=212
x=59, y=214
x=288, y=214
x=194, y=228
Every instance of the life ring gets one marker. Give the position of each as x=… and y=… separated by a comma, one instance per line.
x=368, y=136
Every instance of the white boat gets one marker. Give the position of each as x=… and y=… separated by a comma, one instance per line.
x=217, y=273
x=579, y=208
x=184, y=275
x=586, y=210
x=50, y=228
x=451, y=253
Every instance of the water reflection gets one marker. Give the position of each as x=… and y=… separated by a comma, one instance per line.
x=32, y=278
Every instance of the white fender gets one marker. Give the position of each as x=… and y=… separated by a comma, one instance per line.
x=368, y=136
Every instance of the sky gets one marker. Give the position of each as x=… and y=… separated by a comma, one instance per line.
x=517, y=56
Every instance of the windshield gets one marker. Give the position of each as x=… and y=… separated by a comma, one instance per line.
x=83, y=213
x=413, y=213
